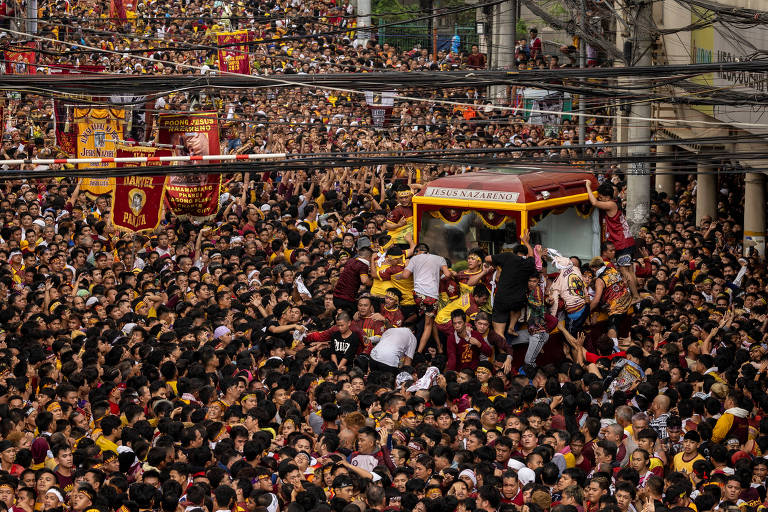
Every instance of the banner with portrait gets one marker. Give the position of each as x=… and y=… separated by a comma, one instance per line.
x=98, y=132
x=194, y=196
x=21, y=60
x=380, y=104
x=233, y=52
x=137, y=202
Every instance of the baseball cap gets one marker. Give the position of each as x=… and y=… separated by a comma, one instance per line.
x=363, y=241
x=342, y=481
x=220, y=331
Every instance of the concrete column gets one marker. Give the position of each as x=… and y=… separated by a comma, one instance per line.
x=754, y=213
x=363, y=20
x=705, y=192
x=503, y=40
x=638, y=173
x=482, y=39
x=664, y=182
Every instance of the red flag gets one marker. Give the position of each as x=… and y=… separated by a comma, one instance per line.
x=21, y=62
x=234, y=57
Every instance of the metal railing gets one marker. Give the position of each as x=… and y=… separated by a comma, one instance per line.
x=408, y=37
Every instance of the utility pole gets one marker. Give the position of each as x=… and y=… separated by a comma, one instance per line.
x=431, y=30
x=503, y=42
x=363, y=21
x=513, y=23
x=583, y=65
x=31, y=25
x=638, y=173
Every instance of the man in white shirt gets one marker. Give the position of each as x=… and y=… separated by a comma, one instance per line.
x=396, y=345
x=426, y=269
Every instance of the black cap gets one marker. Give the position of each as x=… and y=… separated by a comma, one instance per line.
x=342, y=481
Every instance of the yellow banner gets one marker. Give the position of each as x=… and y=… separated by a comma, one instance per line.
x=98, y=133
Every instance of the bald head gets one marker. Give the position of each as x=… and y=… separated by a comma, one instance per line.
x=661, y=404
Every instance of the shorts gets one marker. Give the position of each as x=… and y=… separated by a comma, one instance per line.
x=376, y=366
x=574, y=321
x=624, y=256
x=409, y=311
x=346, y=305
x=615, y=321
x=501, y=311
x=427, y=305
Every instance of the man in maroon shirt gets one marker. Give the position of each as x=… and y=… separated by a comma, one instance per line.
x=356, y=272
x=369, y=322
x=464, y=345
x=476, y=60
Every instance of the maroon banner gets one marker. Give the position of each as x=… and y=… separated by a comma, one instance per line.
x=66, y=138
x=127, y=151
x=137, y=202
x=21, y=62
x=380, y=115
x=194, y=196
x=233, y=57
x=380, y=105
x=117, y=12
x=72, y=69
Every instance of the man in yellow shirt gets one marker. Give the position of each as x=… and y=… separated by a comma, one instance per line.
x=684, y=460
x=112, y=429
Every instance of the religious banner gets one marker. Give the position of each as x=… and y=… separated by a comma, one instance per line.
x=380, y=105
x=233, y=52
x=629, y=374
x=98, y=132
x=73, y=69
x=117, y=12
x=128, y=151
x=137, y=202
x=194, y=196
x=64, y=128
x=21, y=60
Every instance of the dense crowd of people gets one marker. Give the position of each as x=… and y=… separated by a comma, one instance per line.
x=301, y=353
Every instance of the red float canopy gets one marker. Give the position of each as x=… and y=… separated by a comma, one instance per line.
x=515, y=188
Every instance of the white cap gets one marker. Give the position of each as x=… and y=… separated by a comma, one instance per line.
x=128, y=328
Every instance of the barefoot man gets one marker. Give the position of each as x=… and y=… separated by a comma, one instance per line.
x=512, y=292
x=617, y=232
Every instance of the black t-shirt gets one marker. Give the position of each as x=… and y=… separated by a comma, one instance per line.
x=345, y=348
x=515, y=272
